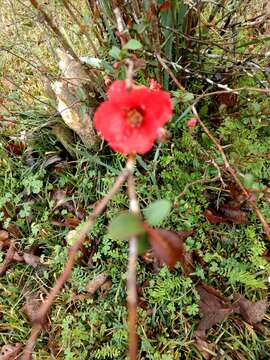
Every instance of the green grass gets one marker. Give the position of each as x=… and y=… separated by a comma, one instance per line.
x=96, y=327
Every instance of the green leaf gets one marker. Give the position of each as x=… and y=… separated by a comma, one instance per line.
x=157, y=211
x=133, y=45
x=92, y=61
x=188, y=97
x=115, y=52
x=125, y=226
x=143, y=244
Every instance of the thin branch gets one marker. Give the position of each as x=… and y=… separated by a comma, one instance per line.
x=234, y=174
x=131, y=278
x=28, y=350
x=40, y=317
x=196, y=182
x=123, y=33
x=169, y=71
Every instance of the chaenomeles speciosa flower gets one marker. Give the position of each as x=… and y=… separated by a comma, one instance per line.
x=130, y=120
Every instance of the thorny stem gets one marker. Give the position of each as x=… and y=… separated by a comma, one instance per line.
x=131, y=278
x=40, y=318
x=234, y=174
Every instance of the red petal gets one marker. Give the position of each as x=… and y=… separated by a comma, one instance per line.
x=117, y=89
x=109, y=120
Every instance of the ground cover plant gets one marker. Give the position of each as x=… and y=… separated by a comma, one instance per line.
x=180, y=253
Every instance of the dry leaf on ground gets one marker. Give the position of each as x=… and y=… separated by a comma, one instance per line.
x=169, y=247
x=10, y=352
x=252, y=312
x=96, y=283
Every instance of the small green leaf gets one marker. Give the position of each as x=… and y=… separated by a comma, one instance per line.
x=125, y=226
x=92, y=61
x=133, y=45
x=143, y=244
x=115, y=52
x=157, y=211
x=188, y=97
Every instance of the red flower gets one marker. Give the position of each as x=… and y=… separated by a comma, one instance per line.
x=192, y=122
x=130, y=119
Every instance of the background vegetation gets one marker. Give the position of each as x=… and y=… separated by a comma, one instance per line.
x=49, y=180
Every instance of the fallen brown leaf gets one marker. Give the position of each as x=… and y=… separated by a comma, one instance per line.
x=252, y=312
x=4, y=239
x=213, y=308
x=32, y=304
x=59, y=196
x=8, y=259
x=71, y=222
x=227, y=212
x=214, y=218
x=31, y=259
x=10, y=352
x=232, y=211
x=96, y=283
x=227, y=99
x=14, y=231
x=169, y=247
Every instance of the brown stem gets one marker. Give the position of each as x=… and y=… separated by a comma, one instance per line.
x=131, y=278
x=199, y=181
x=234, y=174
x=28, y=350
x=156, y=36
x=40, y=317
x=169, y=71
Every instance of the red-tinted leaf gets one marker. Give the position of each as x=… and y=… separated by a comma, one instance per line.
x=228, y=99
x=233, y=213
x=214, y=218
x=71, y=222
x=15, y=148
x=165, y=6
x=169, y=248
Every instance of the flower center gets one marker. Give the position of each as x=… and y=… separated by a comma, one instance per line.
x=134, y=118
